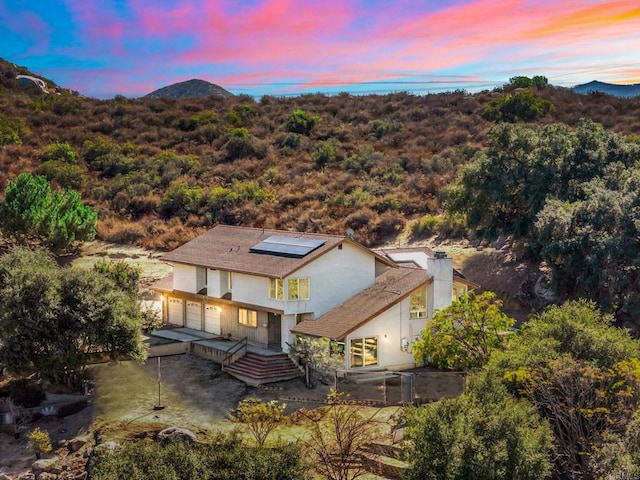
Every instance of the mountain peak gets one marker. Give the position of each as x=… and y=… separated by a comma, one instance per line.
x=190, y=89
x=595, y=86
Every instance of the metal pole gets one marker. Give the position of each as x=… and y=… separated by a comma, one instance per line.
x=158, y=406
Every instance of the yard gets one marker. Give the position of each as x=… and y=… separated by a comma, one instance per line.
x=195, y=395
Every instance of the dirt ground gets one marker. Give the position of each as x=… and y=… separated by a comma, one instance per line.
x=195, y=395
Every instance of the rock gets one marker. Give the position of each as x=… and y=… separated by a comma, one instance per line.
x=28, y=476
x=48, y=465
x=4, y=477
x=107, y=447
x=46, y=476
x=175, y=433
x=77, y=443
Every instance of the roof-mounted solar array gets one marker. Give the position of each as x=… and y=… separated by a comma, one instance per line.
x=287, y=246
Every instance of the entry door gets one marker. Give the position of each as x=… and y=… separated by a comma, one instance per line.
x=176, y=311
x=275, y=331
x=212, y=319
x=194, y=315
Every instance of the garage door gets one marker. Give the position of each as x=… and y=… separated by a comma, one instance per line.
x=212, y=319
x=176, y=312
x=194, y=315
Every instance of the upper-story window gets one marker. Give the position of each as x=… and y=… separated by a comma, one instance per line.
x=298, y=289
x=458, y=291
x=276, y=289
x=418, y=304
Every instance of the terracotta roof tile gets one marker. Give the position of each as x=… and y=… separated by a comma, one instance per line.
x=390, y=288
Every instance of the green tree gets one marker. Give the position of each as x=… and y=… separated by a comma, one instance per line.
x=301, y=122
x=87, y=311
x=261, y=418
x=590, y=244
x=502, y=189
x=537, y=81
x=484, y=434
x=464, y=334
x=581, y=373
x=32, y=213
x=517, y=107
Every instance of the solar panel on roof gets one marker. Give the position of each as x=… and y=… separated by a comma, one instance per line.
x=287, y=246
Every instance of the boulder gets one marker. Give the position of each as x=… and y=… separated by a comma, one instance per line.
x=176, y=433
x=48, y=465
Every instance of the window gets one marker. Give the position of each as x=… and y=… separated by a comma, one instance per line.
x=276, y=289
x=363, y=352
x=298, y=289
x=418, y=304
x=458, y=291
x=247, y=317
x=229, y=281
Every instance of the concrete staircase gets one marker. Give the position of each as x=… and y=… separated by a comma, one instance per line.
x=255, y=369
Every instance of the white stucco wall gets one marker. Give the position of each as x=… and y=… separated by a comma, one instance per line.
x=184, y=278
x=395, y=324
x=213, y=283
x=335, y=277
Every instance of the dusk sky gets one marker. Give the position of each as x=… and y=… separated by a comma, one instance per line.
x=132, y=47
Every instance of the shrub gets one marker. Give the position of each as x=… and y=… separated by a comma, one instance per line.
x=64, y=174
x=301, y=122
x=61, y=151
x=12, y=130
x=425, y=227
x=39, y=441
x=222, y=459
x=260, y=417
x=325, y=152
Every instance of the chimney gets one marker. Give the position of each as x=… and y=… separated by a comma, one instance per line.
x=441, y=268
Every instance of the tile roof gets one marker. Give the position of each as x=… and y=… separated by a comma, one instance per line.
x=390, y=288
x=226, y=247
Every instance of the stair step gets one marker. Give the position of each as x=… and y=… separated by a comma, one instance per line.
x=256, y=369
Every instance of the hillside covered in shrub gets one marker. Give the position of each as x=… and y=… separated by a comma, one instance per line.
x=159, y=170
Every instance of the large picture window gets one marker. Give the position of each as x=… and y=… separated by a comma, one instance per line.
x=276, y=289
x=247, y=317
x=363, y=352
x=298, y=289
x=418, y=304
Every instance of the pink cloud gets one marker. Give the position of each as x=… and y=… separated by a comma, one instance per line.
x=317, y=42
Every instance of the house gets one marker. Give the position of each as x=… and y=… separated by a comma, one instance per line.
x=270, y=286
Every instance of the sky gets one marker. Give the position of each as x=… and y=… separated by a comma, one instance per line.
x=285, y=47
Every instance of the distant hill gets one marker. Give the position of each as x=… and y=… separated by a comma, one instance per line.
x=624, y=91
x=190, y=89
x=15, y=77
